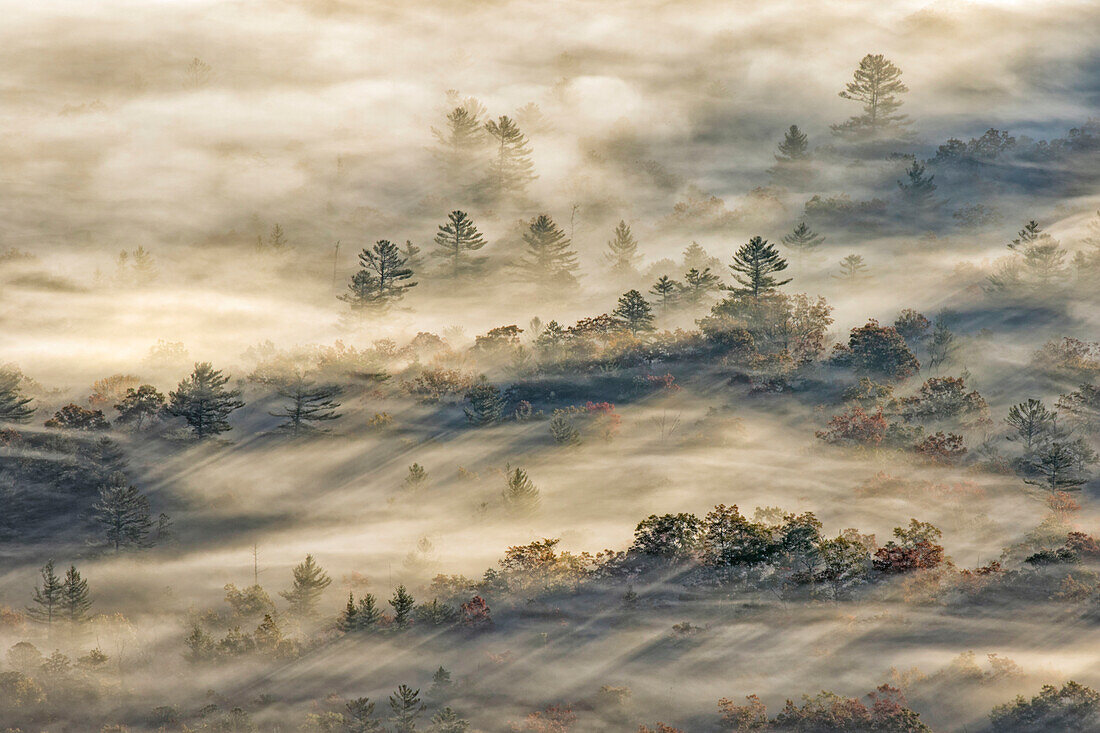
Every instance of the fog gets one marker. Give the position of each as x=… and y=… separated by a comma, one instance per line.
x=188, y=181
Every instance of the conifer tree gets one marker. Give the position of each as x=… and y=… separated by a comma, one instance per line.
x=402, y=603
x=310, y=582
x=367, y=613
x=697, y=285
x=382, y=278
x=360, y=717
x=14, y=407
x=794, y=146
x=441, y=684
x=447, y=721
x=204, y=402
x=804, y=241
x=413, y=260
x=622, y=252
x=1031, y=422
x=634, y=313
x=306, y=404
x=665, y=289
x=459, y=144
x=919, y=190
x=876, y=84
x=406, y=707
x=520, y=495
x=486, y=405
x=511, y=169
x=852, y=268
x=695, y=257
x=75, y=601
x=416, y=477
x=48, y=597
x=123, y=513
x=549, y=261
x=754, y=266
x=457, y=238
x=1057, y=466
x=348, y=620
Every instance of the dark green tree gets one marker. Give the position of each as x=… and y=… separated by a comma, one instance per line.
x=665, y=289
x=48, y=598
x=382, y=279
x=511, y=169
x=460, y=144
x=1031, y=422
x=139, y=405
x=447, y=721
x=549, y=261
x=14, y=407
x=456, y=239
x=794, y=146
x=123, y=514
x=406, y=707
x=669, y=536
x=310, y=582
x=402, y=603
x=486, y=405
x=520, y=495
x=622, y=251
x=754, y=266
x=919, y=189
x=360, y=717
x=75, y=600
x=877, y=85
x=204, y=402
x=634, y=313
x=1057, y=468
x=413, y=259
x=307, y=404
x=697, y=286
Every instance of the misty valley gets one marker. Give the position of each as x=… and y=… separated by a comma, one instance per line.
x=560, y=368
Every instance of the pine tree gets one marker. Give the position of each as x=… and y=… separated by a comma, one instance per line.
x=416, y=477
x=139, y=405
x=123, y=513
x=411, y=253
x=441, y=684
x=520, y=495
x=756, y=262
x=48, y=597
x=307, y=404
x=794, y=146
x=406, y=707
x=804, y=241
x=459, y=144
x=1029, y=235
x=13, y=405
x=457, y=238
x=876, y=84
x=402, y=604
x=75, y=601
x=1031, y=421
x=622, y=252
x=367, y=613
x=511, y=169
x=360, y=717
x=695, y=257
x=665, y=289
x=310, y=582
x=204, y=402
x=549, y=262
x=920, y=190
x=698, y=284
x=348, y=621
x=145, y=269
x=634, y=313
x=1057, y=466
x=852, y=268
x=382, y=278
x=486, y=405
x=447, y=721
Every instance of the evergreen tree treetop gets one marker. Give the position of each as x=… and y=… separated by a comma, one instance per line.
x=755, y=264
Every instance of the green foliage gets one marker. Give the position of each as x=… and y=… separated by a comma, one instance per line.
x=406, y=708
x=622, y=254
x=48, y=597
x=520, y=495
x=666, y=290
x=14, y=407
x=456, y=239
x=75, y=598
x=668, y=536
x=307, y=404
x=204, y=402
x=511, y=169
x=139, y=405
x=310, y=581
x=755, y=264
x=634, y=313
x=123, y=513
x=486, y=405
x=75, y=417
x=382, y=279
x=1073, y=707
x=402, y=603
x=876, y=84
x=549, y=261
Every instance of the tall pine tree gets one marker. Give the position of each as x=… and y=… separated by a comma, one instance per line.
x=307, y=404
x=48, y=597
x=123, y=513
x=549, y=262
x=918, y=190
x=634, y=313
x=877, y=85
x=204, y=402
x=665, y=289
x=310, y=581
x=75, y=599
x=804, y=241
x=697, y=285
x=622, y=252
x=754, y=266
x=511, y=169
x=456, y=239
x=14, y=407
x=382, y=279
x=459, y=145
